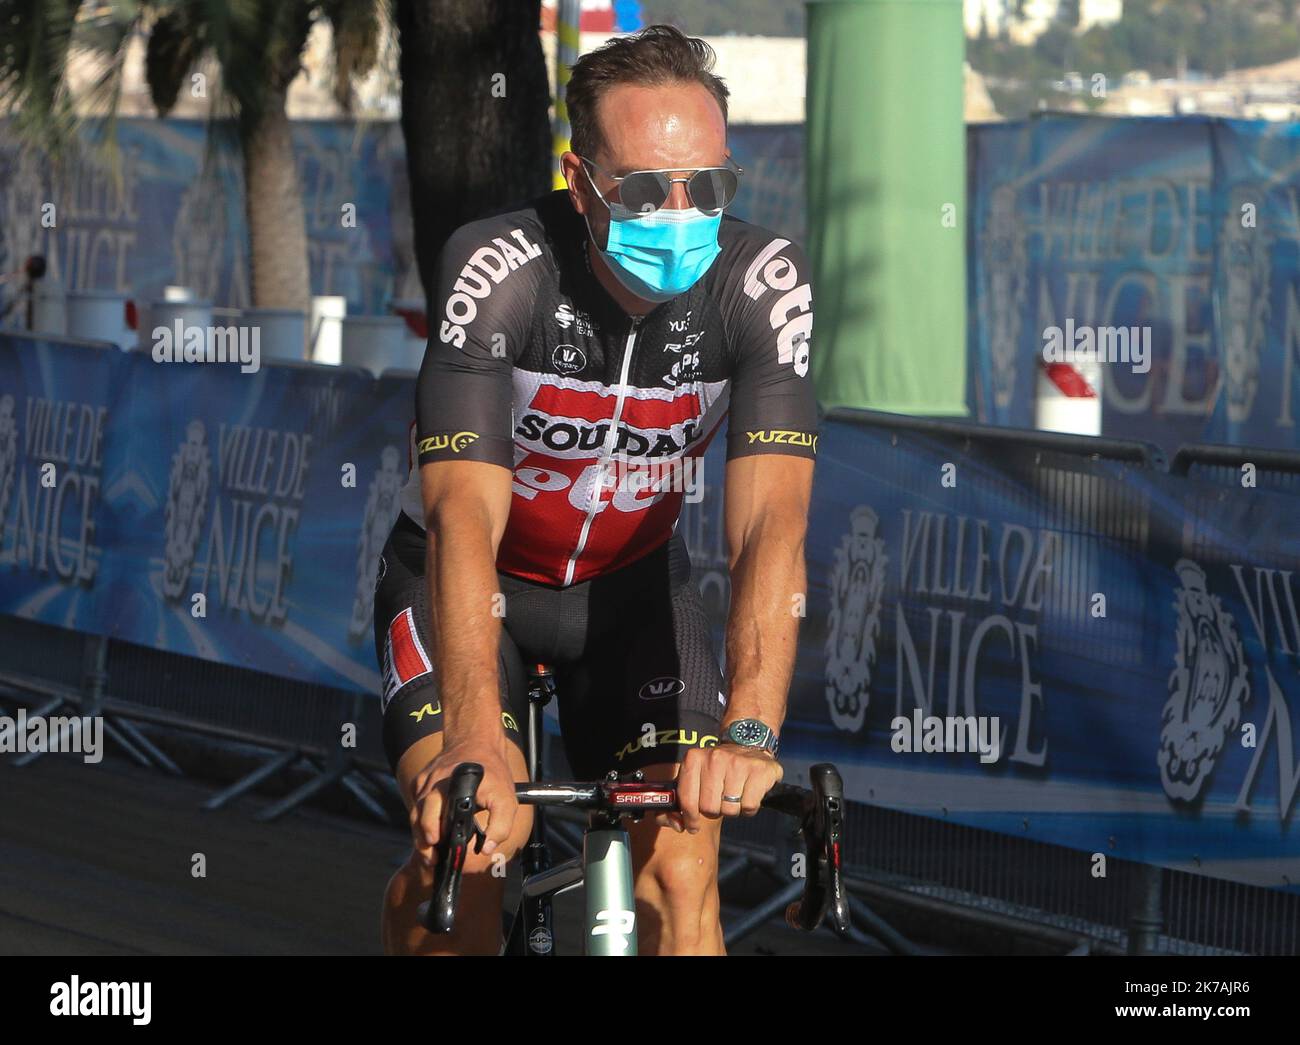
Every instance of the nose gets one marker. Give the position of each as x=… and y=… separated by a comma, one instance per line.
x=677, y=197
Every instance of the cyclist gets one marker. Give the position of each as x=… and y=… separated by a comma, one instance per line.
x=582, y=353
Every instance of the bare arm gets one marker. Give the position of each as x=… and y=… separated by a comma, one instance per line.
x=766, y=519
x=464, y=445
x=466, y=506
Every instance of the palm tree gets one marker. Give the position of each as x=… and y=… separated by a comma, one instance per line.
x=256, y=44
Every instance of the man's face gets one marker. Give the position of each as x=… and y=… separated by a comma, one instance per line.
x=677, y=127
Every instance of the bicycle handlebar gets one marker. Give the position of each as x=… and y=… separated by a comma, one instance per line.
x=820, y=812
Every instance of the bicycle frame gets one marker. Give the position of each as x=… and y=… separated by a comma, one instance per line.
x=605, y=865
x=606, y=868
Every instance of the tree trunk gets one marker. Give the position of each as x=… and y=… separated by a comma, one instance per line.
x=474, y=113
x=277, y=228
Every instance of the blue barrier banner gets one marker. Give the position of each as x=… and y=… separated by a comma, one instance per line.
x=175, y=214
x=1000, y=348
x=197, y=509
x=388, y=436
x=243, y=515
x=1257, y=270
x=1086, y=653
x=772, y=186
x=1229, y=755
x=1105, y=224
x=56, y=406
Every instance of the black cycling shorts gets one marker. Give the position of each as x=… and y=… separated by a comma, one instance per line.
x=636, y=676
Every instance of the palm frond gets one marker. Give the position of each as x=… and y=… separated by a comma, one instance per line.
x=175, y=45
x=34, y=54
x=358, y=27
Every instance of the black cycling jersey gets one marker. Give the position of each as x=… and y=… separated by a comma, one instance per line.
x=600, y=416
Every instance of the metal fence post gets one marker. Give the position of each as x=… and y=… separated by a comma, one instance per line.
x=1147, y=918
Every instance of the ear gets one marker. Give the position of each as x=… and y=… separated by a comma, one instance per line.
x=575, y=177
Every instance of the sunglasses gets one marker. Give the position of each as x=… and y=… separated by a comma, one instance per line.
x=710, y=189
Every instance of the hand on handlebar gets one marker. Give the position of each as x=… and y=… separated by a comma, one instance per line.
x=496, y=795
x=711, y=775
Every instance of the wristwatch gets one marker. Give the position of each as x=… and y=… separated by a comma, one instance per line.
x=750, y=732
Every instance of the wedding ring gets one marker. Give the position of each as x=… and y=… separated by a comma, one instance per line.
x=731, y=798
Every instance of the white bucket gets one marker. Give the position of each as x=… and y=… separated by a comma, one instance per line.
x=99, y=315
x=282, y=332
x=167, y=313
x=49, y=308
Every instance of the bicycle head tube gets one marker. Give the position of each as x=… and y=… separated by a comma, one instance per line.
x=611, y=910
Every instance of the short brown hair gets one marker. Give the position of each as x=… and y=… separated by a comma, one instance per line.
x=658, y=54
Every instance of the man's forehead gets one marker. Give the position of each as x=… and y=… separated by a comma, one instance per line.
x=674, y=126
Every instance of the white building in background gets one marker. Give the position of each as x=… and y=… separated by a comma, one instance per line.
x=1093, y=13
x=1035, y=17
x=995, y=14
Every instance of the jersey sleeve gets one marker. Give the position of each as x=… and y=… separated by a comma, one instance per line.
x=769, y=309
x=481, y=313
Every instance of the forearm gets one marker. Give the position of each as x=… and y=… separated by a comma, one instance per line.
x=466, y=607
x=763, y=626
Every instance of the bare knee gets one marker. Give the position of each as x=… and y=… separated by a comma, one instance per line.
x=683, y=877
x=677, y=894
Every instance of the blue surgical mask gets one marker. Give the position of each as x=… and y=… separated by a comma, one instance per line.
x=659, y=255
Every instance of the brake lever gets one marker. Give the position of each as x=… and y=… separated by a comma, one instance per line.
x=439, y=914
x=822, y=828
x=828, y=786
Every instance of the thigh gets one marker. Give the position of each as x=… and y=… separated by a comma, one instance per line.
x=649, y=690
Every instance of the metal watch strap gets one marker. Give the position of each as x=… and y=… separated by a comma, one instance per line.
x=771, y=743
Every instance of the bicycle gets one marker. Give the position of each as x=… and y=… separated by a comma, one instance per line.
x=605, y=864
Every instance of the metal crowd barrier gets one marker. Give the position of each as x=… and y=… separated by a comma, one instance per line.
x=971, y=434
x=1273, y=469
x=295, y=726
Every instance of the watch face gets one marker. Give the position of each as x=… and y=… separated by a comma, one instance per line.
x=749, y=732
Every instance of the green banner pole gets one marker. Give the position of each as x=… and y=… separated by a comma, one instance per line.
x=886, y=179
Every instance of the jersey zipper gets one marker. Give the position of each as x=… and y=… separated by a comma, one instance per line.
x=606, y=452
